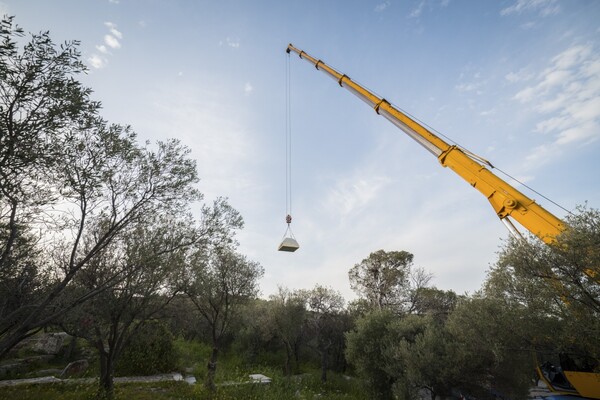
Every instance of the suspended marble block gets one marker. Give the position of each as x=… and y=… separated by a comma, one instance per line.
x=289, y=244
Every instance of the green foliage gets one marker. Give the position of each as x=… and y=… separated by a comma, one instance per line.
x=490, y=348
x=191, y=354
x=150, y=351
x=364, y=350
x=219, y=283
x=382, y=278
x=558, y=285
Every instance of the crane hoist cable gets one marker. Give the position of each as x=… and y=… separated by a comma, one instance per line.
x=288, y=242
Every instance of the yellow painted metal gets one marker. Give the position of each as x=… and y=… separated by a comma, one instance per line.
x=587, y=384
x=506, y=200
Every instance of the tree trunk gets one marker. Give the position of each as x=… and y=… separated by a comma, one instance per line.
x=288, y=359
x=296, y=357
x=106, y=384
x=10, y=340
x=324, y=366
x=212, y=369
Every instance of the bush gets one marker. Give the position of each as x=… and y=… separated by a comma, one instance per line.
x=150, y=351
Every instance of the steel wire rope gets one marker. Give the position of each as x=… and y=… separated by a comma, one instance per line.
x=488, y=163
x=288, y=143
x=468, y=152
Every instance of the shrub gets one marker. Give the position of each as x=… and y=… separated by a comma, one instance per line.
x=150, y=351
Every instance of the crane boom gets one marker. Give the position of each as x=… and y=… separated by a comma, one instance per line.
x=504, y=198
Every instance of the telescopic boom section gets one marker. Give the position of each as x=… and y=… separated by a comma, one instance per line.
x=504, y=198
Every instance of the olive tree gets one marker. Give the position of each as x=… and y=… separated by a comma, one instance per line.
x=557, y=285
x=388, y=280
x=39, y=101
x=219, y=282
x=287, y=318
x=325, y=321
x=366, y=353
x=70, y=183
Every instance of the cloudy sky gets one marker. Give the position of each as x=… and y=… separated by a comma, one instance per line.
x=515, y=81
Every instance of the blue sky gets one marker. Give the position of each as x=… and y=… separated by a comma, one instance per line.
x=515, y=81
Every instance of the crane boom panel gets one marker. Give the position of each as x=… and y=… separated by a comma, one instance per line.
x=505, y=199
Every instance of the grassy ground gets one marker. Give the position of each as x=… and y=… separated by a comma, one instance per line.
x=232, y=375
x=305, y=387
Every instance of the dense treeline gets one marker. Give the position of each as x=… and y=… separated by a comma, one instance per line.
x=99, y=238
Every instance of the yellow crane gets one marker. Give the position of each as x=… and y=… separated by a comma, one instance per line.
x=507, y=201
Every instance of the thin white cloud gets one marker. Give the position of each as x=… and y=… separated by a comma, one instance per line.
x=474, y=84
x=96, y=61
x=583, y=133
x=113, y=1
x=382, y=6
x=467, y=87
x=572, y=56
x=112, y=42
x=248, y=88
x=568, y=93
x=525, y=95
x=205, y=123
x=351, y=194
x=552, y=124
x=234, y=43
x=543, y=7
x=113, y=30
x=522, y=75
x=418, y=10
x=528, y=25
x=102, y=49
x=542, y=153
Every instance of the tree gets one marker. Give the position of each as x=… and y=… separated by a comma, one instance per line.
x=218, y=283
x=70, y=183
x=365, y=351
x=387, y=280
x=424, y=356
x=39, y=100
x=490, y=353
x=557, y=285
x=325, y=320
x=435, y=302
x=146, y=259
x=253, y=333
x=288, y=317
x=107, y=184
x=567, y=269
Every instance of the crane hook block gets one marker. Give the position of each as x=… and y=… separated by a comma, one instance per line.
x=289, y=243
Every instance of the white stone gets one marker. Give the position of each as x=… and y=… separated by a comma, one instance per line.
x=260, y=378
